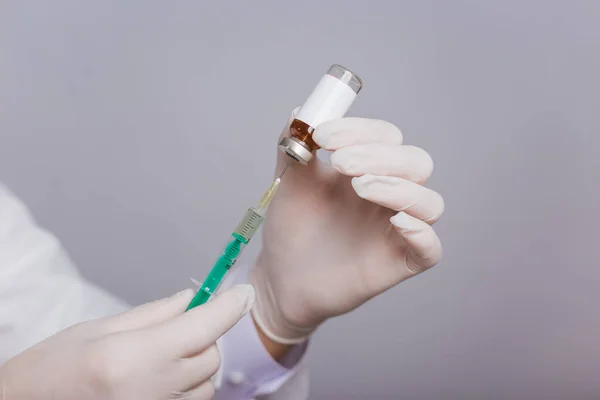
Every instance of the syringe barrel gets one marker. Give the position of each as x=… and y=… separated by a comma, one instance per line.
x=250, y=224
x=230, y=254
x=240, y=237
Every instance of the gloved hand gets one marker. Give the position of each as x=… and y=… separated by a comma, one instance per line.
x=337, y=235
x=154, y=351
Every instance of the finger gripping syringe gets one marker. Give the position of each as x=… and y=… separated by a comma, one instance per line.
x=240, y=237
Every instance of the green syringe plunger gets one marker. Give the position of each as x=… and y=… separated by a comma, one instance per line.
x=219, y=270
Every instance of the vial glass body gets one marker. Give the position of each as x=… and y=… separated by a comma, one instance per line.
x=303, y=132
x=331, y=99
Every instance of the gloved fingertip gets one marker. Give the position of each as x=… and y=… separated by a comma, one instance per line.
x=362, y=184
x=358, y=186
x=326, y=139
x=289, y=122
x=351, y=161
x=337, y=162
x=246, y=294
x=184, y=293
x=402, y=221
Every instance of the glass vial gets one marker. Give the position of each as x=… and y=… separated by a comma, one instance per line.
x=331, y=99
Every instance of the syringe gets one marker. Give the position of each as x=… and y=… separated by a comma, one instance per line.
x=240, y=237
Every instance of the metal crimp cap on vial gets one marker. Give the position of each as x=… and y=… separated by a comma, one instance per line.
x=293, y=148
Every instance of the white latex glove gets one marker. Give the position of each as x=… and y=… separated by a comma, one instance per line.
x=155, y=351
x=337, y=235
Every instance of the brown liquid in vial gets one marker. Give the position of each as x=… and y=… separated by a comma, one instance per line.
x=303, y=132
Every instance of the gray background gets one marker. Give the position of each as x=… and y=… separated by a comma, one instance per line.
x=123, y=125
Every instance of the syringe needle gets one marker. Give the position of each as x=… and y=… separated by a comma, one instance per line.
x=285, y=168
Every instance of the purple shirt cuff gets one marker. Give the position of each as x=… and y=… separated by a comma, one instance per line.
x=247, y=369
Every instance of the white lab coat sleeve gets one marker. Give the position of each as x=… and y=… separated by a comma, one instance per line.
x=41, y=291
